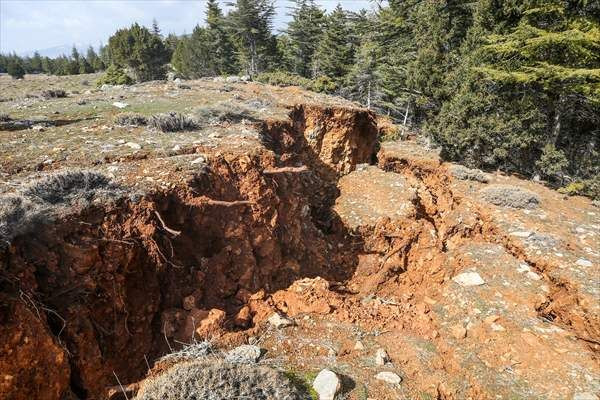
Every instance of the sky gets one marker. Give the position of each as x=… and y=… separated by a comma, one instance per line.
x=27, y=25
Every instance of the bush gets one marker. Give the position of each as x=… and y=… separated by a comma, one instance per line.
x=172, y=122
x=510, y=196
x=552, y=162
x=588, y=187
x=131, y=119
x=218, y=113
x=464, y=173
x=4, y=117
x=17, y=215
x=215, y=379
x=322, y=84
x=53, y=94
x=16, y=70
x=114, y=76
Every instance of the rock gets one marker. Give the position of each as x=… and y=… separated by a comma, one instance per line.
x=510, y=196
x=171, y=76
x=189, y=303
x=245, y=354
x=521, y=234
x=176, y=148
x=468, y=279
x=532, y=275
x=327, y=384
x=582, y=262
x=381, y=357
x=458, y=331
x=280, y=321
x=211, y=323
x=359, y=346
x=232, y=79
x=120, y=104
x=39, y=128
x=199, y=160
x=243, y=317
x=133, y=145
x=497, y=327
x=389, y=377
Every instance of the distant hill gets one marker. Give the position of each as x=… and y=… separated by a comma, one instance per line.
x=58, y=50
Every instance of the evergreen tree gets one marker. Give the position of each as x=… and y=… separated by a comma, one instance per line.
x=141, y=51
x=334, y=55
x=220, y=47
x=36, y=63
x=192, y=57
x=304, y=32
x=364, y=82
x=155, y=28
x=250, y=26
x=15, y=69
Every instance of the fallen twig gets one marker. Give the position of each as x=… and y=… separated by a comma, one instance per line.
x=121, y=386
x=205, y=200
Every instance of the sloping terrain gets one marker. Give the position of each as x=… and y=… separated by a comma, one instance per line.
x=478, y=286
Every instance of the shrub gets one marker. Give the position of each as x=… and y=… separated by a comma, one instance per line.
x=510, y=196
x=587, y=187
x=114, y=76
x=131, y=119
x=15, y=70
x=172, y=122
x=464, y=173
x=552, y=162
x=17, y=215
x=282, y=78
x=53, y=94
x=4, y=117
x=70, y=187
x=215, y=114
x=324, y=84
x=215, y=379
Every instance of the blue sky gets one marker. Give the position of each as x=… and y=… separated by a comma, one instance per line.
x=27, y=25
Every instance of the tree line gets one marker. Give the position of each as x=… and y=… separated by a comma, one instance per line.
x=502, y=84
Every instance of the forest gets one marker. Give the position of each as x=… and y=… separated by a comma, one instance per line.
x=496, y=84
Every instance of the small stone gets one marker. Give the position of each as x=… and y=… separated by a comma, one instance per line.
x=326, y=384
x=133, y=145
x=491, y=319
x=199, y=160
x=280, y=321
x=534, y=276
x=521, y=234
x=523, y=268
x=582, y=262
x=359, y=346
x=389, y=377
x=245, y=354
x=189, y=303
x=497, y=327
x=243, y=317
x=468, y=279
x=381, y=357
x=458, y=331
x=120, y=104
x=176, y=147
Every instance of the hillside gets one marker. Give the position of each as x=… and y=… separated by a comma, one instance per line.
x=276, y=218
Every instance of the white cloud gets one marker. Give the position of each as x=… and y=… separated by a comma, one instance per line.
x=38, y=24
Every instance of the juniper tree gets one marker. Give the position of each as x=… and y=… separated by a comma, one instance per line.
x=141, y=51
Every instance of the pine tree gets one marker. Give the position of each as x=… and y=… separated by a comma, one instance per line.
x=364, y=82
x=36, y=62
x=15, y=69
x=155, y=28
x=304, y=32
x=220, y=47
x=334, y=55
x=250, y=26
x=192, y=57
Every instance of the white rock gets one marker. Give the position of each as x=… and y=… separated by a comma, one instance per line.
x=534, y=276
x=199, y=160
x=523, y=268
x=469, y=279
x=582, y=262
x=245, y=354
x=522, y=234
x=133, y=145
x=359, y=345
x=326, y=384
x=381, y=357
x=389, y=377
x=120, y=104
x=176, y=147
x=280, y=321
x=497, y=327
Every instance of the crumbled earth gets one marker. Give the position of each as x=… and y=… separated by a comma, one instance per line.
x=294, y=210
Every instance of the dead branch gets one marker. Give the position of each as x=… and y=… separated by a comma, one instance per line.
x=165, y=227
x=205, y=200
x=282, y=170
x=121, y=386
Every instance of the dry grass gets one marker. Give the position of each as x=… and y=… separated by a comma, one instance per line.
x=53, y=94
x=223, y=112
x=131, y=119
x=172, y=122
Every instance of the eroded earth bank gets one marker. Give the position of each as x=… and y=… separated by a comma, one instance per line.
x=478, y=286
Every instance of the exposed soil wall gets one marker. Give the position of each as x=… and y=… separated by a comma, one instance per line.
x=108, y=290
